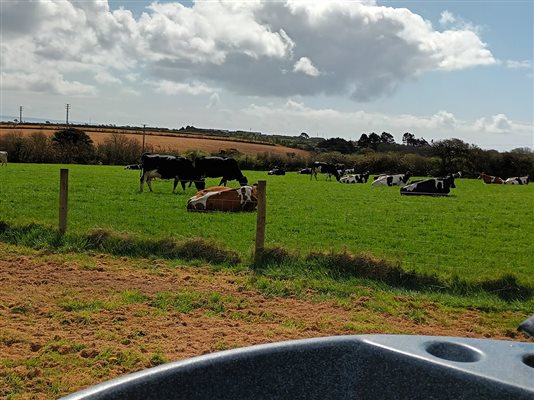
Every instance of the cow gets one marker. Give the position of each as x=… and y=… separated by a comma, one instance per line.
x=430, y=187
x=133, y=166
x=348, y=171
x=168, y=167
x=376, y=177
x=3, y=157
x=276, y=171
x=324, y=168
x=214, y=167
x=518, y=180
x=305, y=171
x=222, y=198
x=355, y=178
x=392, y=180
x=491, y=179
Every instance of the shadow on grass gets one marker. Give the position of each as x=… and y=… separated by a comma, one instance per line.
x=343, y=265
x=117, y=243
x=340, y=265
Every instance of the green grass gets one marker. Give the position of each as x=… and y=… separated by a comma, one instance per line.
x=479, y=233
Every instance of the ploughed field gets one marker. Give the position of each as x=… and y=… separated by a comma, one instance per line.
x=479, y=232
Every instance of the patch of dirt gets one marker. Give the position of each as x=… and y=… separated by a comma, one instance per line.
x=77, y=309
x=163, y=142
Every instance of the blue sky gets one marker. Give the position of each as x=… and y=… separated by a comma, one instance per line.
x=438, y=69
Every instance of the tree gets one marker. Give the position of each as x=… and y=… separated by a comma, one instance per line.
x=374, y=140
x=73, y=146
x=337, y=144
x=363, y=142
x=304, y=135
x=408, y=139
x=453, y=154
x=387, y=138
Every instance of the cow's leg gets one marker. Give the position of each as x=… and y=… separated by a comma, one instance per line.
x=142, y=182
x=223, y=181
x=176, y=179
x=149, y=183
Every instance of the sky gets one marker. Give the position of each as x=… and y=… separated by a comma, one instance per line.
x=437, y=69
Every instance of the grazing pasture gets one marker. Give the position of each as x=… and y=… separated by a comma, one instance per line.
x=479, y=232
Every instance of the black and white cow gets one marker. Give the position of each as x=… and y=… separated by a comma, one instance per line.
x=168, y=167
x=133, y=166
x=276, y=171
x=392, y=180
x=324, y=168
x=215, y=167
x=305, y=171
x=518, y=180
x=355, y=178
x=430, y=187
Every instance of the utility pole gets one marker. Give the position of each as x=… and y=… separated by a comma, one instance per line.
x=20, y=114
x=144, y=131
x=67, y=107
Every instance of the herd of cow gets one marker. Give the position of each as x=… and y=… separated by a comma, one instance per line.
x=244, y=198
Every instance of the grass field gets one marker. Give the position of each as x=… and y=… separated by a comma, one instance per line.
x=478, y=232
x=71, y=319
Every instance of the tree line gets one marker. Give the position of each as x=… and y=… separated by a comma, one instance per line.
x=373, y=152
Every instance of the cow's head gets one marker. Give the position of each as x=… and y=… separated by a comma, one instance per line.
x=243, y=181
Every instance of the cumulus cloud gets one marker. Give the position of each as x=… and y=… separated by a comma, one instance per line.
x=359, y=49
x=447, y=18
x=305, y=66
x=495, y=124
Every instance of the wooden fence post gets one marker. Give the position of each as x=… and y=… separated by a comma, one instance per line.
x=260, y=221
x=63, y=199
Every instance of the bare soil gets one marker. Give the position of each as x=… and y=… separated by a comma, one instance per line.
x=50, y=345
x=165, y=141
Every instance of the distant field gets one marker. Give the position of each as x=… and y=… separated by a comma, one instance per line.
x=166, y=141
x=479, y=232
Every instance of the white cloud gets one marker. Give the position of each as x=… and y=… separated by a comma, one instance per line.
x=49, y=82
x=513, y=64
x=305, y=66
x=297, y=117
x=173, y=88
x=215, y=101
x=499, y=123
x=447, y=18
x=358, y=49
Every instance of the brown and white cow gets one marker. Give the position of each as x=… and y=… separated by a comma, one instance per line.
x=222, y=198
x=491, y=179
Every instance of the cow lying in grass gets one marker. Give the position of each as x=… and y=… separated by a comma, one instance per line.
x=392, y=180
x=491, y=179
x=518, y=180
x=222, y=198
x=430, y=187
x=355, y=178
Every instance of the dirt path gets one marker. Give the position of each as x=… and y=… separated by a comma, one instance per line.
x=68, y=322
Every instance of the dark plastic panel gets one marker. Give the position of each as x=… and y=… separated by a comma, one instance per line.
x=343, y=367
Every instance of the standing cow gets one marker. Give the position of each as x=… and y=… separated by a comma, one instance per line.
x=392, y=180
x=169, y=167
x=324, y=168
x=3, y=157
x=215, y=167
